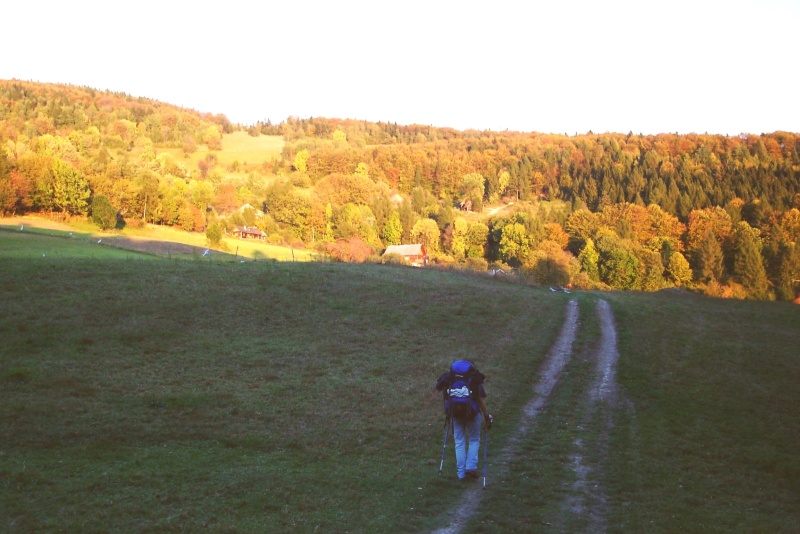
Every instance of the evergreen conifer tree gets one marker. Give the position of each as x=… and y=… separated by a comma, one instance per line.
x=749, y=267
x=709, y=259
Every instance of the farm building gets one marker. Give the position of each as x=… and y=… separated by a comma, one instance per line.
x=412, y=254
x=248, y=232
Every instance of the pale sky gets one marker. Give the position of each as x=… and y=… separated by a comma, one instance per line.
x=716, y=66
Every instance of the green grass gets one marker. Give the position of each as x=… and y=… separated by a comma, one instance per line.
x=166, y=395
x=85, y=232
x=712, y=429
x=51, y=246
x=240, y=248
x=257, y=250
x=246, y=149
x=267, y=396
x=704, y=435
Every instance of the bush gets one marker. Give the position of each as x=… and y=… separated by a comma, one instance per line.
x=391, y=259
x=103, y=213
x=214, y=234
x=477, y=264
x=731, y=290
x=354, y=250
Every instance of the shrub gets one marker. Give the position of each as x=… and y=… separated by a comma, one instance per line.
x=214, y=234
x=103, y=213
x=391, y=259
x=477, y=264
x=353, y=250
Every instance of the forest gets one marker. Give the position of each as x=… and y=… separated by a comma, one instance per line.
x=711, y=213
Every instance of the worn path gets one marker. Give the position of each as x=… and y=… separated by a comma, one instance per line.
x=557, y=358
x=585, y=500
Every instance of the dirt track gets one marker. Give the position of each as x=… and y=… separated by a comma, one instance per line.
x=585, y=496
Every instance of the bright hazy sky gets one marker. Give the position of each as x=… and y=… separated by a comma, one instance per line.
x=726, y=66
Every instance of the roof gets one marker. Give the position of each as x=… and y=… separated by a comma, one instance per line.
x=405, y=250
x=249, y=230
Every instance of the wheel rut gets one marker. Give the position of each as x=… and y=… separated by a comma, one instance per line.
x=586, y=502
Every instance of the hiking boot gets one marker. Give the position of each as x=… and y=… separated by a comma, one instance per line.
x=472, y=474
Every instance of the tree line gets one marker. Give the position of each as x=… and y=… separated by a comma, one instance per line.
x=595, y=210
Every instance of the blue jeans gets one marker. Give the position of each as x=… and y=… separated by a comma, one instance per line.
x=467, y=439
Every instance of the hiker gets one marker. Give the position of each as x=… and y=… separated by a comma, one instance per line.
x=464, y=399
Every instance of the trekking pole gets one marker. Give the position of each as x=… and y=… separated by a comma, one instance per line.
x=444, y=445
x=485, y=449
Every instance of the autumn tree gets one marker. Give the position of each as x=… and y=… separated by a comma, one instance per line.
x=515, y=244
x=290, y=207
x=408, y=218
x=715, y=219
x=678, y=269
x=458, y=241
x=146, y=196
x=225, y=198
x=393, y=230
x=589, y=259
x=214, y=233
x=357, y=221
x=339, y=189
x=423, y=202
x=475, y=240
x=503, y=180
x=301, y=161
x=617, y=266
x=212, y=138
x=473, y=188
x=426, y=231
x=650, y=270
x=70, y=189
x=581, y=226
x=554, y=232
x=666, y=227
x=190, y=218
x=362, y=170
x=352, y=250
x=14, y=192
x=201, y=194
x=551, y=265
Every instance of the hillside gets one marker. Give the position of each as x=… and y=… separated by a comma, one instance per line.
x=622, y=211
x=277, y=396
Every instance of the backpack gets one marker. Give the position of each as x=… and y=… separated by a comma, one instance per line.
x=460, y=388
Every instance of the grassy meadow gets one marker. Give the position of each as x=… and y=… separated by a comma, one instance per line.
x=156, y=240
x=168, y=395
x=237, y=147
